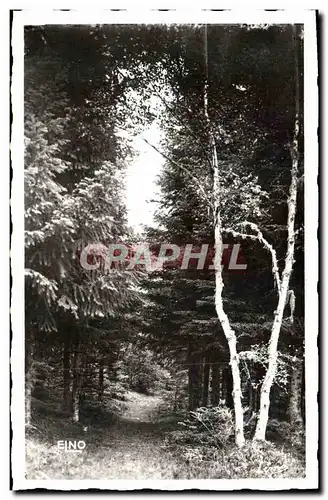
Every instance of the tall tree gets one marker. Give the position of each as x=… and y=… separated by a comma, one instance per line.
x=283, y=282
x=74, y=184
x=224, y=320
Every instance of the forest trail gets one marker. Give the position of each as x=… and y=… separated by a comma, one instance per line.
x=132, y=447
x=135, y=442
x=140, y=407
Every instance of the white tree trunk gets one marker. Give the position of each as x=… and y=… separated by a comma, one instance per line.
x=231, y=339
x=289, y=260
x=272, y=363
x=222, y=316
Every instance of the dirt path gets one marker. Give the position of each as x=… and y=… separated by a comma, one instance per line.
x=132, y=448
x=136, y=442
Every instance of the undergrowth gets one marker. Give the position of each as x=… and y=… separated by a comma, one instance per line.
x=205, y=447
x=144, y=442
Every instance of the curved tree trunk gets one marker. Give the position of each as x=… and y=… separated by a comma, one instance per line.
x=273, y=356
x=223, y=318
x=292, y=202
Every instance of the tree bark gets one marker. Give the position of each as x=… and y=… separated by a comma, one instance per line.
x=190, y=380
x=223, y=318
x=295, y=394
x=206, y=379
x=101, y=380
x=195, y=381
x=228, y=388
x=67, y=371
x=215, y=392
x=76, y=385
x=175, y=404
x=194, y=386
x=29, y=339
x=278, y=316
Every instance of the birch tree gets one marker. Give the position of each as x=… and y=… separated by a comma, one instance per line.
x=223, y=318
x=283, y=283
x=206, y=132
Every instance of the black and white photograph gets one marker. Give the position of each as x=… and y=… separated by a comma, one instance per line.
x=164, y=250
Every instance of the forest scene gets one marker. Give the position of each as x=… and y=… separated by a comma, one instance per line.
x=173, y=347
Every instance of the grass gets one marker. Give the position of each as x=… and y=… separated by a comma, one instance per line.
x=253, y=461
x=136, y=445
x=129, y=447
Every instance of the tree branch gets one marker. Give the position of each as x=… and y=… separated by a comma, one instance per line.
x=259, y=237
x=185, y=169
x=179, y=120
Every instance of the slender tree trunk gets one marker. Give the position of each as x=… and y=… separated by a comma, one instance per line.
x=295, y=394
x=101, y=380
x=224, y=320
x=29, y=339
x=76, y=385
x=206, y=379
x=228, y=388
x=303, y=395
x=278, y=316
x=190, y=389
x=215, y=389
x=195, y=381
x=250, y=399
x=175, y=404
x=190, y=379
x=220, y=383
x=272, y=364
x=76, y=407
x=255, y=400
x=28, y=401
x=67, y=371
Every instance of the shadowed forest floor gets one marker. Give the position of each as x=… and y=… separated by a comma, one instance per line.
x=131, y=448
x=136, y=442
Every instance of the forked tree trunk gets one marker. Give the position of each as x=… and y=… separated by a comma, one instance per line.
x=278, y=316
x=223, y=318
x=272, y=359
